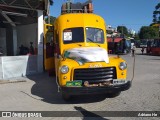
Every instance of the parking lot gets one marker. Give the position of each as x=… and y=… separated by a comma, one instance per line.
x=39, y=92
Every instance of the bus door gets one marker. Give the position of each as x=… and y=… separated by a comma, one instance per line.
x=48, y=48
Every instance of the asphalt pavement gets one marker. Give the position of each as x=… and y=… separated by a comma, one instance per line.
x=39, y=93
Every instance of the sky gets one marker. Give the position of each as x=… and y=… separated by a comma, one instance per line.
x=130, y=13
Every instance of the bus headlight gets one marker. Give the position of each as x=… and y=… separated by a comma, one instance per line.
x=122, y=66
x=64, y=69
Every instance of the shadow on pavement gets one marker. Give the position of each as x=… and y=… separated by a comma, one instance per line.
x=87, y=114
x=45, y=87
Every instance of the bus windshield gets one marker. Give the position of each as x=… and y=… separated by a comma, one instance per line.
x=94, y=35
x=76, y=35
x=73, y=35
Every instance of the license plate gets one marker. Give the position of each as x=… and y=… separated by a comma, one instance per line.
x=75, y=83
x=119, y=82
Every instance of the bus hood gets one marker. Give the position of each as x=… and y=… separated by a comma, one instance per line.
x=87, y=54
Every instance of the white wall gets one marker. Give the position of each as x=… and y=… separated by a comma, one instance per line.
x=27, y=34
x=3, y=39
x=16, y=66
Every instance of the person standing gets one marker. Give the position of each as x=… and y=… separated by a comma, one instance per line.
x=142, y=50
x=133, y=50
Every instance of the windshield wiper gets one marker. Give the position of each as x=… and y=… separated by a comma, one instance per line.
x=93, y=41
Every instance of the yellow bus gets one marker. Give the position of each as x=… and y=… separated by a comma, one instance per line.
x=81, y=61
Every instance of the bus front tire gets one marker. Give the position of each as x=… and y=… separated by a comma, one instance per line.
x=66, y=96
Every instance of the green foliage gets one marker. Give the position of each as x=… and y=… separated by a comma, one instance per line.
x=52, y=19
x=136, y=37
x=149, y=32
x=123, y=30
x=156, y=14
x=51, y=2
x=157, y=6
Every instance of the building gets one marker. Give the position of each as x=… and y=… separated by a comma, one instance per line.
x=111, y=31
x=21, y=24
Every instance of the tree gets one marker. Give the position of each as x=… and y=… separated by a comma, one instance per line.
x=148, y=32
x=123, y=30
x=51, y=2
x=156, y=14
x=52, y=19
x=136, y=37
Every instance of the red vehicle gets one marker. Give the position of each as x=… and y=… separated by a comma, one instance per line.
x=154, y=47
x=118, y=45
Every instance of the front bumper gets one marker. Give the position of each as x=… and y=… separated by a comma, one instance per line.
x=97, y=89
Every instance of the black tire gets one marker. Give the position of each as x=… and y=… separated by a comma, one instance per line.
x=113, y=94
x=51, y=73
x=66, y=96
